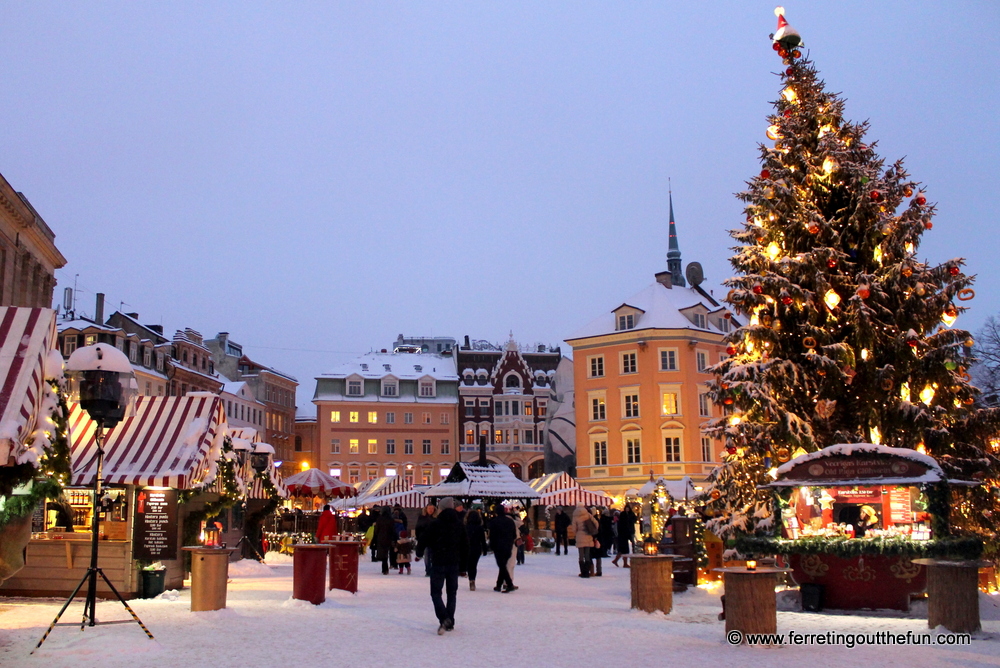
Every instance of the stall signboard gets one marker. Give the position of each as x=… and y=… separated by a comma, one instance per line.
x=900, y=506
x=860, y=467
x=859, y=495
x=155, y=534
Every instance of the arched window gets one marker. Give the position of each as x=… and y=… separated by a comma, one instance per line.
x=513, y=380
x=515, y=468
x=536, y=469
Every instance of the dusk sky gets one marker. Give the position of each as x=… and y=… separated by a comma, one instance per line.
x=318, y=178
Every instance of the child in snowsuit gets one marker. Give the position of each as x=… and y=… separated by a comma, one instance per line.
x=404, y=551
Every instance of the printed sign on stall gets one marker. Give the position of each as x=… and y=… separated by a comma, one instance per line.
x=155, y=535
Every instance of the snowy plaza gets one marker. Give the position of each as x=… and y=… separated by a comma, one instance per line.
x=553, y=619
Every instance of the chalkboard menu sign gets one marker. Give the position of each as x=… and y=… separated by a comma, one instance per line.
x=155, y=534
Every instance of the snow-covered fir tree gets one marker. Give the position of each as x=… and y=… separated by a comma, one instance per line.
x=849, y=336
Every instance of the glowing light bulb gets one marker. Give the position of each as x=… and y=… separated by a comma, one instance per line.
x=735, y=420
x=904, y=392
x=829, y=165
x=831, y=299
x=876, y=435
x=949, y=317
x=773, y=132
x=773, y=473
x=927, y=395
x=864, y=353
x=825, y=130
x=922, y=449
x=773, y=250
x=789, y=95
x=877, y=255
x=909, y=247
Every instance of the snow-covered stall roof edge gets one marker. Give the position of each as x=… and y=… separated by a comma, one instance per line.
x=484, y=481
x=853, y=449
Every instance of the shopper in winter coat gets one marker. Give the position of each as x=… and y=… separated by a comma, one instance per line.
x=562, y=523
x=476, y=533
x=383, y=538
x=626, y=535
x=446, y=537
x=327, y=528
x=605, y=539
x=586, y=528
x=503, y=533
x=404, y=551
x=426, y=517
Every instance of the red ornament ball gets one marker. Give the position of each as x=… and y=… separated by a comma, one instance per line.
x=831, y=263
x=863, y=293
x=786, y=300
x=813, y=229
x=727, y=315
x=758, y=289
x=730, y=450
x=913, y=343
x=728, y=401
x=730, y=350
x=921, y=200
x=876, y=196
x=928, y=224
x=796, y=54
x=788, y=113
x=790, y=71
x=953, y=271
x=765, y=174
x=776, y=46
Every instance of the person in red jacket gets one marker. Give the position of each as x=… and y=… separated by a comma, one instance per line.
x=327, y=528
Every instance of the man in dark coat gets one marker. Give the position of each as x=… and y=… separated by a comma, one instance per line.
x=503, y=533
x=383, y=538
x=562, y=531
x=424, y=521
x=447, y=540
x=626, y=534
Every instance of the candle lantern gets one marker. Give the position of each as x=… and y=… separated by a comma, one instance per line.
x=650, y=546
x=751, y=565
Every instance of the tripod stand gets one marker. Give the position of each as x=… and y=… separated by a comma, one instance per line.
x=90, y=604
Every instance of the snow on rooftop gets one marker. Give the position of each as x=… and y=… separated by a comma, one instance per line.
x=661, y=308
x=855, y=449
x=484, y=482
x=404, y=366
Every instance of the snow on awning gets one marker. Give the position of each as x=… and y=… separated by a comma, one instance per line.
x=469, y=481
x=170, y=442
x=26, y=337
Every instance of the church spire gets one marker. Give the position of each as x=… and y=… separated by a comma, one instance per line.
x=673, y=250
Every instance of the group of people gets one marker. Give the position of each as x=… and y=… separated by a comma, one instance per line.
x=597, y=534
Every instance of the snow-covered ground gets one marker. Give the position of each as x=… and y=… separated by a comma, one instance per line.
x=554, y=619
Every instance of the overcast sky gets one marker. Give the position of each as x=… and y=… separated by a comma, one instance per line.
x=316, y=179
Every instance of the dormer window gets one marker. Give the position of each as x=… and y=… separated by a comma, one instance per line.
x=626, y=317
x=354, y=388
x=427, y=388
x=626, y=321
x=390, y=388
x=700, y=321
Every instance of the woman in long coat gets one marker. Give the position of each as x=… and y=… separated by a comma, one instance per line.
x=586, y=528
x=384, y=537
x=605, y=537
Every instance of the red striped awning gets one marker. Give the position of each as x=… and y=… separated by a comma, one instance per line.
x=553, y=482
x=26, y=337
x=170, y=442
x=574, y=496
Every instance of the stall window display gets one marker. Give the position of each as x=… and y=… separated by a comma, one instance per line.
x=856, y=512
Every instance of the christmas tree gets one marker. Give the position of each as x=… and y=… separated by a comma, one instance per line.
x=849, y=335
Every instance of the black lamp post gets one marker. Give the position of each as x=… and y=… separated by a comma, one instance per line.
x=101, y=379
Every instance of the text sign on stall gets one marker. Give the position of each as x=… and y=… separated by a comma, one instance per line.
x=900, y=506
x=155, y=535
x=841, y=468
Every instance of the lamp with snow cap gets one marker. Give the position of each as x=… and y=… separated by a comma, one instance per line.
x=100, y=378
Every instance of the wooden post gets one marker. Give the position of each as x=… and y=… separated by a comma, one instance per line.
x=953, y=596
x=750, y=603
x=652, y=582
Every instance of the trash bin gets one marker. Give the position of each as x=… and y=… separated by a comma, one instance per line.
x=309, y=573
x=344, y=565
x=209, y=573
x=153, y=582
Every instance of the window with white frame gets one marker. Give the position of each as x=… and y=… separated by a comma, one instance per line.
x=529, y=437
x=354, y=388
x=601, y=452
x=633, y=449
x=390, y=418
x=159, y=361
x=133, y=351
x=724, y=324
x=670, y=404
x=372, y=417
x=390, y=388
x=407, y=418
x=408, y=446
x=470, y=407
x=668, y=359
x=354, y=446
x=355, y=416
x=372, y=446
x=672, y=446
x=354, y=476
x=596, y=366
x=445, y=446
x=527, y=408
x=426, y=446
x=445, y=419
x=700, y=321
x=427, y=388
x=626, y=321
x=541, y=409
x=704, y=405
x=147, y=357
x=629, y=363
x=701, y=361
x=470, y=436
x=390, y=446
x=69, y=344
x=334, y=416
x=706, y=448
x=630, y=400
x=598, y=408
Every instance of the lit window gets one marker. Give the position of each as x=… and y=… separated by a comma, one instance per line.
x=628, y=363
x=426, y=476
x=444, y=473
x=354, y=476
x=354, y=388
x=598, y=409
x=426, y=446
x=390, y=447
x=390, y=418
x=633, y=451
x=527, y=408
x=372, y=417
x=541, y=409
x=335, y=472
x=600, y=453
x=669, y=403
x=517, y=437
x=355, y=416
x=631, y=405
x=91, y=339
x=498, y=436
x=335, y=446
x=597, y=366
x=668, y=360
x=334, y=416
x=354, y=446
x=673, y=448
x=390, y=471
x=408, y=446
x=372, y=446
x=470, y=436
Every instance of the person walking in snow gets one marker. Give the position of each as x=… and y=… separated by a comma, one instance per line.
x=327, y=528
x=404, y=550
x=476, y=533
x=447, y=540
x=383, y=538
x=503, y=533
x=605, y=539
x=586, y=528
x=626, y=534
x=424, y=521
x=562, y=522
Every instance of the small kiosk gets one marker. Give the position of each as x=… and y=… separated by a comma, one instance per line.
x=853, y=518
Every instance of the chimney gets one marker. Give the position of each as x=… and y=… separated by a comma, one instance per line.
x=99, y=310
x=666, y=279
x=156, y=328
x=482, y=451
x=134, y=316
x=468, y=345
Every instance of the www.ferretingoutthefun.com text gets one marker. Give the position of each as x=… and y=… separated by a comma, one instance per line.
x=849, y=640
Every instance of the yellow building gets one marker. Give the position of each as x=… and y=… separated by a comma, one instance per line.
x=640, y=381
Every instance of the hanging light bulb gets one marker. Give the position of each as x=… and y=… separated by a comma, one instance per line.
x=829, y=165
x=773, y=132
x=773, y=473
x=876, y=435
x=877, y=255
x=927, y=395
x=921, y=448
x=789, y=95
x=734, y=420
x=831, y=299
x=904, y=392
x=864, y=353
x=825, y=130
x=773, y=250
x=909, y=247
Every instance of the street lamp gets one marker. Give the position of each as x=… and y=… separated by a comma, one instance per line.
x=101, y=379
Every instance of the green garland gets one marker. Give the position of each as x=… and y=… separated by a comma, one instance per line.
x=967, y=547
x=230, y=494
x=22, y=505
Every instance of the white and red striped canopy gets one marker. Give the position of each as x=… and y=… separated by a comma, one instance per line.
x=314, y=482
x=26, y=336
x=561, y=489
x=413, y=498
x=167, y=443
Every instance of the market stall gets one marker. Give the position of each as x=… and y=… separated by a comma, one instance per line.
x=489, y=483
x=852, y=519
x=171, y=445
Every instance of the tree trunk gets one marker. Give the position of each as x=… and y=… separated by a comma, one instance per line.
x=953, y=597
x=750, y=603
x=14, y=537
x=652, y=583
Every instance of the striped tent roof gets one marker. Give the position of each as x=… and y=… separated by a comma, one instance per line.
x=380, y=487
x=551, y=482
x=170, y=442
x=26, y=337
x=573, y=496
x=255, y=486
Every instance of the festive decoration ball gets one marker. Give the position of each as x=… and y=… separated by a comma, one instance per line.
x=821, y=372
x=782, y=454
x=906, y=271
x=786, y=300
x=765, y=174
x=796, y=54
x=769, y=192
x=715, y=494
x=730, y=350
x=951, y=312
x=788, y=113
x=928, y=224
x=908, y=191
x=776, y=46
x=809, y=342
x=813, y=228
x=728, y=401
x=724, y=386
x=953, y=271
x=968, y=343
x=863, y=292
x=876, y=195
x=913, y=343
x=965, y=294
x=790, y=71
x=831, y=263
x=758, y=289
x=784, y=54
x=731, y=449
x=921, y=200
x=773, y=132
x=951, y=365
x=727, y=315
x=969, y=401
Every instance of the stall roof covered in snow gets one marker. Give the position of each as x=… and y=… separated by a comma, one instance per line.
x=470, y=481
x=660, y=308
x=677, y=489
x=405, y=366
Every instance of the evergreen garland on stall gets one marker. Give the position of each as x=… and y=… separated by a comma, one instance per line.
x=848, y=336
x=228, y=497
x=252, y=523
x=966, y=547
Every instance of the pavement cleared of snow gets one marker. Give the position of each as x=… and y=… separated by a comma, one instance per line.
x=554, y=619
